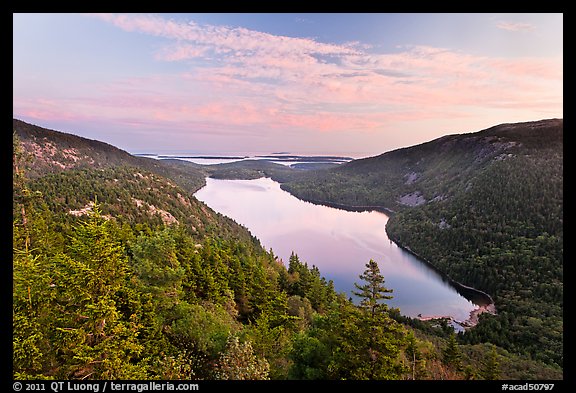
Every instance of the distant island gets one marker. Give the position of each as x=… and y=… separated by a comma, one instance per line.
x=271, y=157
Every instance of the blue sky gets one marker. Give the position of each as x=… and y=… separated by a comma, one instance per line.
x=317, y=83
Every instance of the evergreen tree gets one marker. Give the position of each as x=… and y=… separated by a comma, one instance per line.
x=32, y=315
x=371, y=340
x=414, y=356
x=92, y=337
x=490, y=366
x=374, y=290
x=451, y=355
x=157, y=267
x=310, y=357
x=469, y=372
x=33, y=293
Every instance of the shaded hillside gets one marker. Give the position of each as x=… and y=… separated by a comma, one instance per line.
x=251, y=169
x=133, y=196
x=486, y=208
x=425, y=173
x=56, y=151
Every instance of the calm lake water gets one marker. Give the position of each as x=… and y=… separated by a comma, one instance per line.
x=338, y=242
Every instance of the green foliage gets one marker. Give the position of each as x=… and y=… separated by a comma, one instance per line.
x=307, y=283
x=32, y=298
x=119, y=292
x=91, y=333
x=58, y=151
x=310, y=357
x=504, y=236
x=377, y=338
x=374, y=290
x=352, y=342
x=491, y=366
x=416, y=356
x=156, y=266
x=201, y=329
x=492, y=219
x=239, y=362
x=451, y=355
x=270, y=336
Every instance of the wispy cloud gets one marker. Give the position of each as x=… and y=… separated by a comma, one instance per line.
x=222, y=38
x=244, y=79
x=515, y=26
x=303, y=20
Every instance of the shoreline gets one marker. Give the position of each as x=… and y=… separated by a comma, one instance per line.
x=475, y=315
x=470, y=293
x=343, y=206
x=486, y=304
x=480, y=298
x=468, y=323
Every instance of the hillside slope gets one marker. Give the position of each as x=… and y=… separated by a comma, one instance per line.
x=120, y=273
x=486, y=208
x=56, y=151
x=428, y=172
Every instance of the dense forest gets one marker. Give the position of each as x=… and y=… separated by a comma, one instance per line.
x=485, y=208
x=120, y=273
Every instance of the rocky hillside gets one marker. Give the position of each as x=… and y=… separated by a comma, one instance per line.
x=56, y=151
x=428, y=172
x=71, y=172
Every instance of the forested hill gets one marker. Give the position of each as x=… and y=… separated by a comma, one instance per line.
x=120, y=273
x=429, y=172
x=486, y=208
x=56, y=151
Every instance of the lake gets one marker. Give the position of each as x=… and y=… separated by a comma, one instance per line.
x=338, y=242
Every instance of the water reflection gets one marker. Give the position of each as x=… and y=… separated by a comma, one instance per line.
x=338, y=242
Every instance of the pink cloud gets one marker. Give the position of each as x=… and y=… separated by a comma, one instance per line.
x=46, y=110
x=515, y=26
x=182, y=52
x=259, y=80
x=325, y=121
x=545, y=69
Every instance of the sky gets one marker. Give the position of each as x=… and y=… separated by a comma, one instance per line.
x=335, y=83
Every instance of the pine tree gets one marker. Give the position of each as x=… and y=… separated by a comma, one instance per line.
x=490, y=369
x=451, y=355
x=374, y=290
x=31, y=316
x=414, y=355
x=370, y=338
x=32, y=311
x=92, y=337
x=157, y=267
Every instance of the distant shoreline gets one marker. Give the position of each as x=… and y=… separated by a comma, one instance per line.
x=272, y=157
x=464, y=290
x=342, y=206
x=468, y=323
